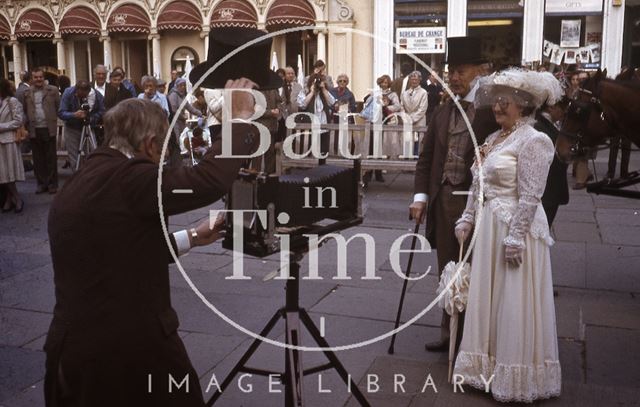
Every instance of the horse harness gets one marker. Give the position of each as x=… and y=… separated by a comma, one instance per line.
x=581, y=110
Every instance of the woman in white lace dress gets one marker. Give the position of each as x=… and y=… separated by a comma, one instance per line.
x=510, y=337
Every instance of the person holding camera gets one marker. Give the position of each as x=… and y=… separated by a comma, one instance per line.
x=316, y=99
x=76, y=112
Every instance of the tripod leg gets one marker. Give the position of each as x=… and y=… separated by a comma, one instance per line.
x=293, y=361
x=243, y=360
x=83, y=141
x=335, y=362
x=404, y=289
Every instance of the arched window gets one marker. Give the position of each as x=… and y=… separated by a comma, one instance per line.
x=180, y=56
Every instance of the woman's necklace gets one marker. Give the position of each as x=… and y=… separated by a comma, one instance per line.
x=486, y=148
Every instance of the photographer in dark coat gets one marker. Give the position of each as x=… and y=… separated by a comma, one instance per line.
x=113, y=340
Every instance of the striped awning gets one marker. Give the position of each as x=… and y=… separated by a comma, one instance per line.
x=180, y=15
x=129, y=18
x=80, y=20
x=5, y=29
x=290, y=13
x=234, y=13
x=34, y=24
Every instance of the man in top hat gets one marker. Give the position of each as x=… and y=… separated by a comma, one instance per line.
x=113, y=340
x=445, y=158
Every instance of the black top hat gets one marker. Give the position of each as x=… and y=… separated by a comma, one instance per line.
x=464, y=50
x=251, y=63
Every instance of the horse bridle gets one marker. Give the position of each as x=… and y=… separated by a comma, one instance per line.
x=583, y=112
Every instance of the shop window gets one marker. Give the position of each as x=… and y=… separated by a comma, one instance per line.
x=425, y=19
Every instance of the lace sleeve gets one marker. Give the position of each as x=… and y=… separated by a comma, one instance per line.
x=534, y=160
x=469, y=214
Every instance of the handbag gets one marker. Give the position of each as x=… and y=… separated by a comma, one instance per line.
x=367, y=111
x=21, y=134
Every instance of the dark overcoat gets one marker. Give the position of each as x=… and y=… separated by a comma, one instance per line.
x=113, y=322
x=433, y=153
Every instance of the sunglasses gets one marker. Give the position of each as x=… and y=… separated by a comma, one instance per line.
x=342, y=80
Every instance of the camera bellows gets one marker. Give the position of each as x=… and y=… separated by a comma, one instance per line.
x=311, y=195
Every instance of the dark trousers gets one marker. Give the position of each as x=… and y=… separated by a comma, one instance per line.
x=550, y=209
x=618, y=142
x=446, y=212
x=45, y=159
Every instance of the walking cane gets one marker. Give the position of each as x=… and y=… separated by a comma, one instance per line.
x=404, y=288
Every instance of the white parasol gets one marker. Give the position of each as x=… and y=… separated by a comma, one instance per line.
x=187, y=70
x=455, y=298
x=300, y=71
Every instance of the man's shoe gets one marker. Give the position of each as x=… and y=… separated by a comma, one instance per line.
x=437, y=346
x=41, y=189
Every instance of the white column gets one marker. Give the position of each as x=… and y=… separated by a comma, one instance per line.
x=17, y=59
x=282, y=51
x=533, y=27
x=89, y=60
x=62, y=62
x=383, y=39
x=457, y=18
x=156, y=55
x=612, y=34
x=204, y=34
x=106, y=45
x=322, y=46
x=72, y=58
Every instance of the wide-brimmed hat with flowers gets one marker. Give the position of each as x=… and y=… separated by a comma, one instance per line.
x=526, y=88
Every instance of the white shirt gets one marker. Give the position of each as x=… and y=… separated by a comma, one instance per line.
x=100, y=89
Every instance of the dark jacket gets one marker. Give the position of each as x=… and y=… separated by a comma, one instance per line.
x=557, y=189
x=69, y=104
x=50, y=105
x=113, y=323
x=433, y=153
x=113, y=96
x=345, y=98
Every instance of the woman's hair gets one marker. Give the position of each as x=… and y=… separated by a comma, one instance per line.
x=6, y=89
x=129, y=122
x=383, y=78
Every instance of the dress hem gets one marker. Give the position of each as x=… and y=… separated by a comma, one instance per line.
x=521, y=383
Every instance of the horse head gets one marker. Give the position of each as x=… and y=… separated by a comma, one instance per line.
x=584, y=125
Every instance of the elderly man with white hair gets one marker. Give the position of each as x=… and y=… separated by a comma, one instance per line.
x=113, y=325
x=150, y=92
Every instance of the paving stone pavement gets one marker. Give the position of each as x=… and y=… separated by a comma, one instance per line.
x=596, y=266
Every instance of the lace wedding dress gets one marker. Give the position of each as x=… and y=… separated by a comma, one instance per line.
x=510, y=324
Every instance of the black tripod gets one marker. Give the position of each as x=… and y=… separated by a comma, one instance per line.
x=87, y=143
x=293, y=374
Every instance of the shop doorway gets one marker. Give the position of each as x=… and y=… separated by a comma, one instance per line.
x=41, y=53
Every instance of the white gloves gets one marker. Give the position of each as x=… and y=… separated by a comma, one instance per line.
x=463, y=230
x=513, y=255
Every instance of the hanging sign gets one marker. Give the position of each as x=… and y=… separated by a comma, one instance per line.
x=573, y=6
x=421, y=40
